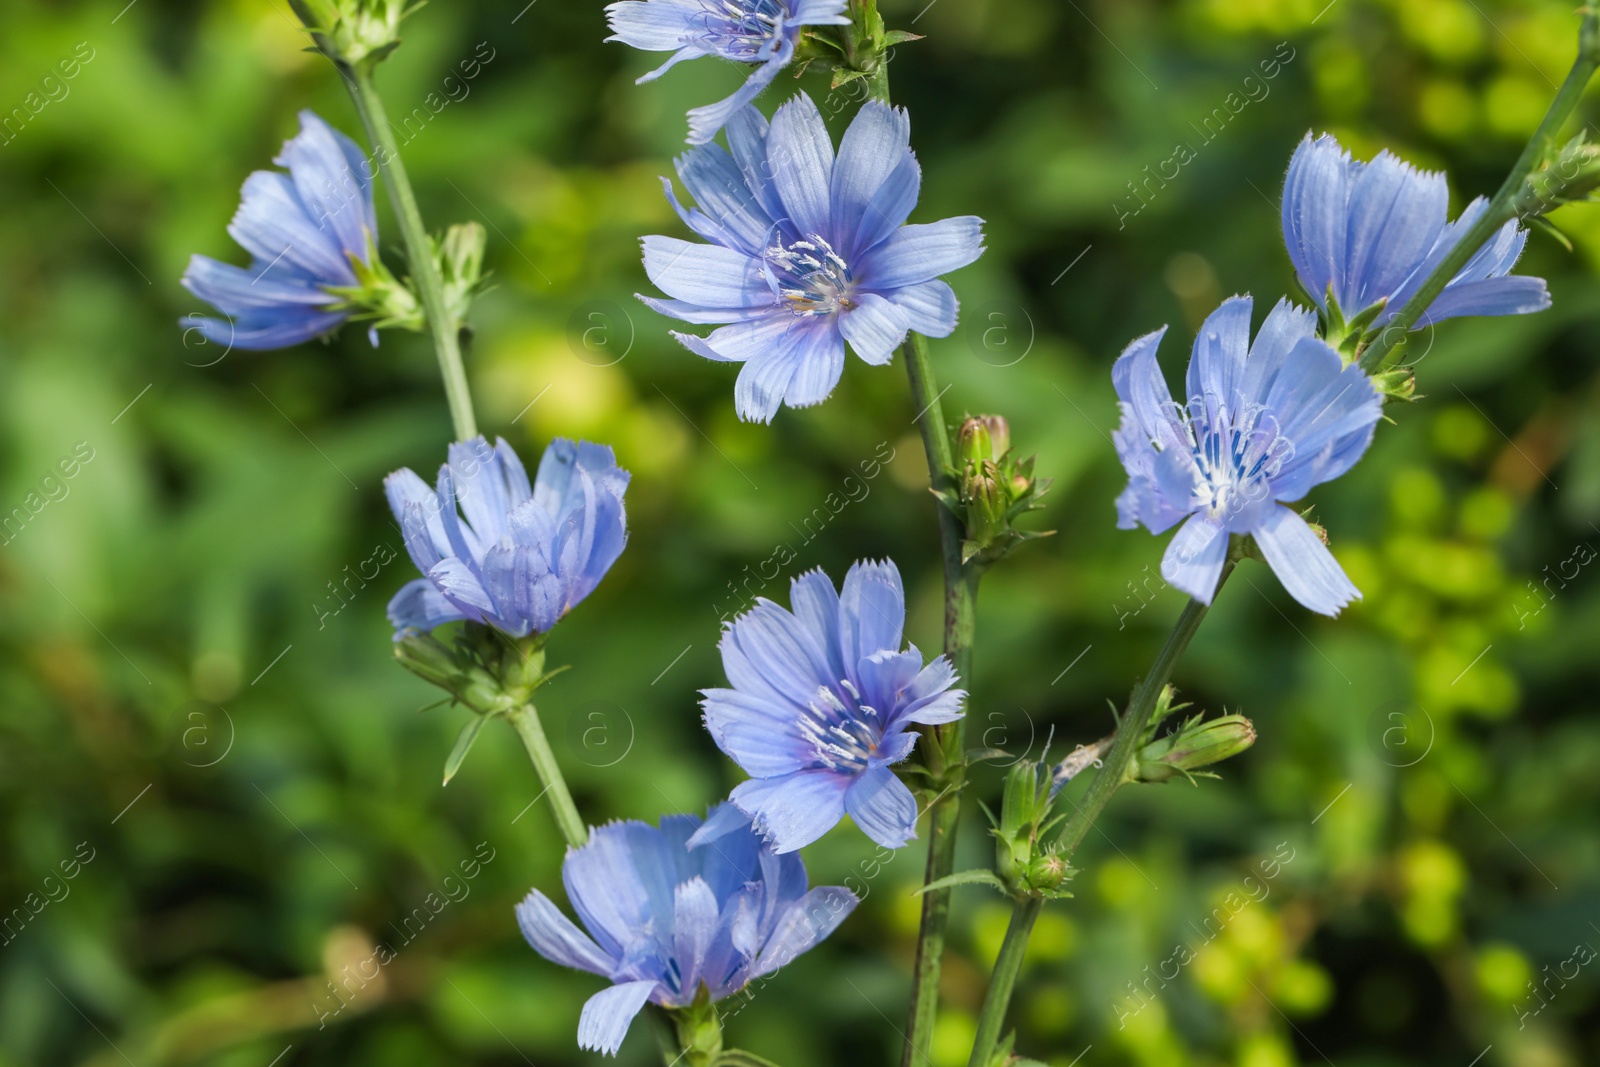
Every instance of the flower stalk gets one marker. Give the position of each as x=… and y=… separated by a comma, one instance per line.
x=1115, y=771
x=1506, y=203
x=526, y=720
x=943, y=747
x=443, y=326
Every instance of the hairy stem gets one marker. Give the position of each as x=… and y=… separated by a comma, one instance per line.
x=943, y=747
x=1130, y=733
x=1006, y=968
x=526, y=720
x=442, y=326
x=1503, y=207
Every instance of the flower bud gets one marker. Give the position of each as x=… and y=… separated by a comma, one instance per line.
x=1026, y=865
x=1048, y=871
x=1571, y=173
x=973, y=443
x=427, y=657
x=460, y=260
x=983, y=437
x=1197, y=744
x=353, y=31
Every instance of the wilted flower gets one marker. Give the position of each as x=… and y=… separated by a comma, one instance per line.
x=1264, y=423
x=823, y=702
x=312, y=235
x=517, y=557
x=663, y=919
x=763, y=32
x=807, y=252
x=1371, y=232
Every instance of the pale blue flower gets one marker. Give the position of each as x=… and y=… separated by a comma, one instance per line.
x=1263, y=424
x=807, y=252
x=517, y=557
x=1374, y=231
x=823, y=702
x=762, y=32
x=664, y=920
x=301, y=229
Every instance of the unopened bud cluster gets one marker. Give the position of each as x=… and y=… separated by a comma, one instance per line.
x=993, y=489
x=1025, y=863
x=353, y=31
x=386, y=301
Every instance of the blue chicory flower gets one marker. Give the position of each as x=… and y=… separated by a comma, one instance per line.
x=664, y=919
x=301, y=229
x=1263, y=424
x=518, y=556
x=763, y=32
x=823, y=702
x=1374, y=232
x=807, y=252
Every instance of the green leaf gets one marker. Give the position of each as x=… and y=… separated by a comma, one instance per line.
x=894, y=37
x=735, y=1057
x=976, y=876
x=464, y=740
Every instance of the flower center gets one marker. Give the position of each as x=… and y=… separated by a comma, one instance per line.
x=810, y=276
x=745, y=30
x=843, y=737
x=1236, y=454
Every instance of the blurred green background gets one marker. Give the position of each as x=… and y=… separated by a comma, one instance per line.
x=221, y=753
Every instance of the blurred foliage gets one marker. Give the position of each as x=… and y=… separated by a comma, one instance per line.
x=200, y=720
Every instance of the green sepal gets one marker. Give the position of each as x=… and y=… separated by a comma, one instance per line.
x=1396, y=383
x=894, y=37
x=464, y=742
x=1541, y=223
x=378, y=296
x=699, y=1030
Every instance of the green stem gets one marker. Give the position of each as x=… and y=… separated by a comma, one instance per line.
x=442, y=325
x=1006, y=968
x=1114, y=771
x=943, y=747
x=1503, y=207
x=526, y=720
x=1130, y=731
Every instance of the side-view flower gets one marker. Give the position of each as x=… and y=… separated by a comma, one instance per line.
x=762, y=32
x=807, y=251
x=664, y=920
x=308, y=232
x=1264, y=423
x=518, y=556
x=823, y=703
x=1370, y=234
